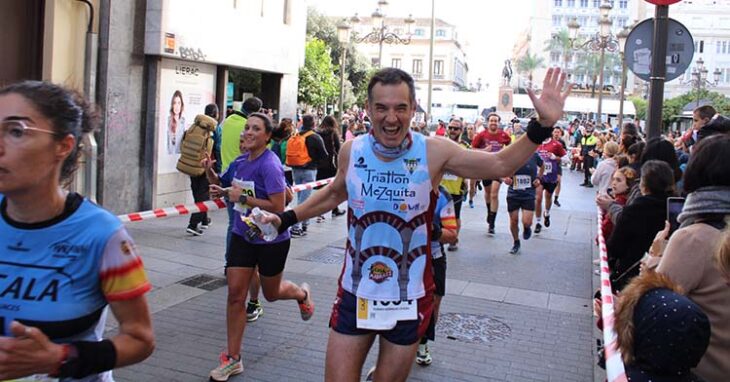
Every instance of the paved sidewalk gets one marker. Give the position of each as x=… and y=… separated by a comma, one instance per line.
x=504, y=318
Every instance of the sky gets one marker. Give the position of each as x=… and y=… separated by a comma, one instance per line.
x=487, y=29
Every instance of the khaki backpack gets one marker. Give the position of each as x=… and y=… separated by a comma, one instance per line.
x=296, y=150
x=196, y=142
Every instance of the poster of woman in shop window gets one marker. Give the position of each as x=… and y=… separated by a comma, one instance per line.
x=175, y=123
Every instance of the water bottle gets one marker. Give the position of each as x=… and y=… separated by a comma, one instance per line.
x=268, y=231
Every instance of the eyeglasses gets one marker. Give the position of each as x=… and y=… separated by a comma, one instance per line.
x=454, y=128
x=16, y=131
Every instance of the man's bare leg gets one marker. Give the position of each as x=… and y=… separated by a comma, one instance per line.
x=394, y=361
x=346, y=354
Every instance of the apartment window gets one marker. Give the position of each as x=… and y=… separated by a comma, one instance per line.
x=438, y=67
x=622, y=21
x=623, y=4
x=594, y=21
x=395, y=63
x=558, y=3
x=583, y=20
x=724, y=47
x=596, y=3
x=571, y=3
x=440, y=33
x=556, y=20
x=554, y=57
x=419, y=32
x=727, y=75
x=717, y=45
x=584, y=3
x=417, y=66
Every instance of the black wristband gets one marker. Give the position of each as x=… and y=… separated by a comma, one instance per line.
x=92, y=357
x=537, y=133
x=242, y=199
x=288, y=218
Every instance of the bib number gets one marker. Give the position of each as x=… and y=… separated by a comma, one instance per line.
x=384, y=315
x=548, y=168
x=247, y=188
x=523, y=182
x=35, y=378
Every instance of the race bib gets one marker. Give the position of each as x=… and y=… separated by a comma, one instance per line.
x=247, y=188
x=548, y=167
x=522, y=182
x=35, y=378
x=384, y=315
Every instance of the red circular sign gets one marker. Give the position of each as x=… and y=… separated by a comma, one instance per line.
x=663, y=2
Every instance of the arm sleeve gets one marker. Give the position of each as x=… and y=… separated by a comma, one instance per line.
x=122, y=274
x=315, y=147
x=683, y=260
x=227, y=177
x=448, y=215
x=274, y=182
x=614, y=212
x=622, y=234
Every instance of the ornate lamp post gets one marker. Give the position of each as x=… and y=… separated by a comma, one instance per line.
x=343, y=36
x=699, y=78
x=602, y=41
x=380, y=33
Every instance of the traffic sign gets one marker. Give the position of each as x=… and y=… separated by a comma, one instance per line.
x=680, y=49
x=663, y=2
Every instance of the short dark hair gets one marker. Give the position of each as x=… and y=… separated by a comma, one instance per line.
x=68, y=111
x=268, y=125
x=392, y=76
x=211, y=110
x=252, y=105
x=707, y=165
x=657, y=177
x=661, y=149
x=630, y=129
x=705, y=111
x=308, y=121
x=636, y=149
x=493, y=114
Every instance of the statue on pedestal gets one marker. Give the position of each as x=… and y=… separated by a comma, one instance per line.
x=507, y=73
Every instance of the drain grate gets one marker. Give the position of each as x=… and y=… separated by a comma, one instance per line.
x=472, y=328
x=330, y=254
x=204, y=281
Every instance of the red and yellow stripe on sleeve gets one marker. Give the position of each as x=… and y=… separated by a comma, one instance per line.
x=448, y=222
x=126, y=281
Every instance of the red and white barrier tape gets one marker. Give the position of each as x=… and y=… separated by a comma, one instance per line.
x=206, y=206
x=614, y=365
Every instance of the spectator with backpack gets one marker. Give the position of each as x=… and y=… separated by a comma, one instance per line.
x=197, y=144
x=304, y=151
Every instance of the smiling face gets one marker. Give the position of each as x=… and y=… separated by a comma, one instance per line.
x=493, y=124
x=36, y=157
x=390, y=110
x=254, y=136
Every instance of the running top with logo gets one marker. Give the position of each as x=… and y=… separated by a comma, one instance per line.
x=491, y=142
x=454, y=184
x=388, y=255
x=522, y=187
x=258, y=179
x=549, y=150
x=445, y=217
x=59, y=275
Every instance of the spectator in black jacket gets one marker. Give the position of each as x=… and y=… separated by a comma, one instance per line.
x=308, y=172
x=639, y=222
x=327, y=168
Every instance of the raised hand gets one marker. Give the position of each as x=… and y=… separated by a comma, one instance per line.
x=549, y=105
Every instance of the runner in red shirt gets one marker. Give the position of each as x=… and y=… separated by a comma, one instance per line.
x=551, y=151
x=491, y=140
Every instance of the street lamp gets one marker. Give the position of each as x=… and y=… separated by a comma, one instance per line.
x=699, y=78
x=380, y=33
x=343, y=36
x=622, y=37
x=602, y=41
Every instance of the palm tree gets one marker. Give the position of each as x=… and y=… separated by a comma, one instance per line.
x=528, y=63
x=560, y=42
x=590, y=65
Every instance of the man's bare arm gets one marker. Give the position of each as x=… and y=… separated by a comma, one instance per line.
x=331, y=195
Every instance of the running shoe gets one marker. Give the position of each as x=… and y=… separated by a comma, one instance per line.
x=369, y=376
x=195, y=231
x=491, y=229
x=306, y=307
x=228, y=366
x=538, y=228
x=205, y=224
x=254, y=310
x=556, y=202
x=452, y=247
x=547, y=220
x=527, y=233
x=338, y=212
x=471, y=204
x=297, y=232
x=423, y=355
x=515, y=248
x=320, y=219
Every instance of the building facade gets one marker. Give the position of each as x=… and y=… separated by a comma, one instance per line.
x=450, y=69
x=138, y=55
